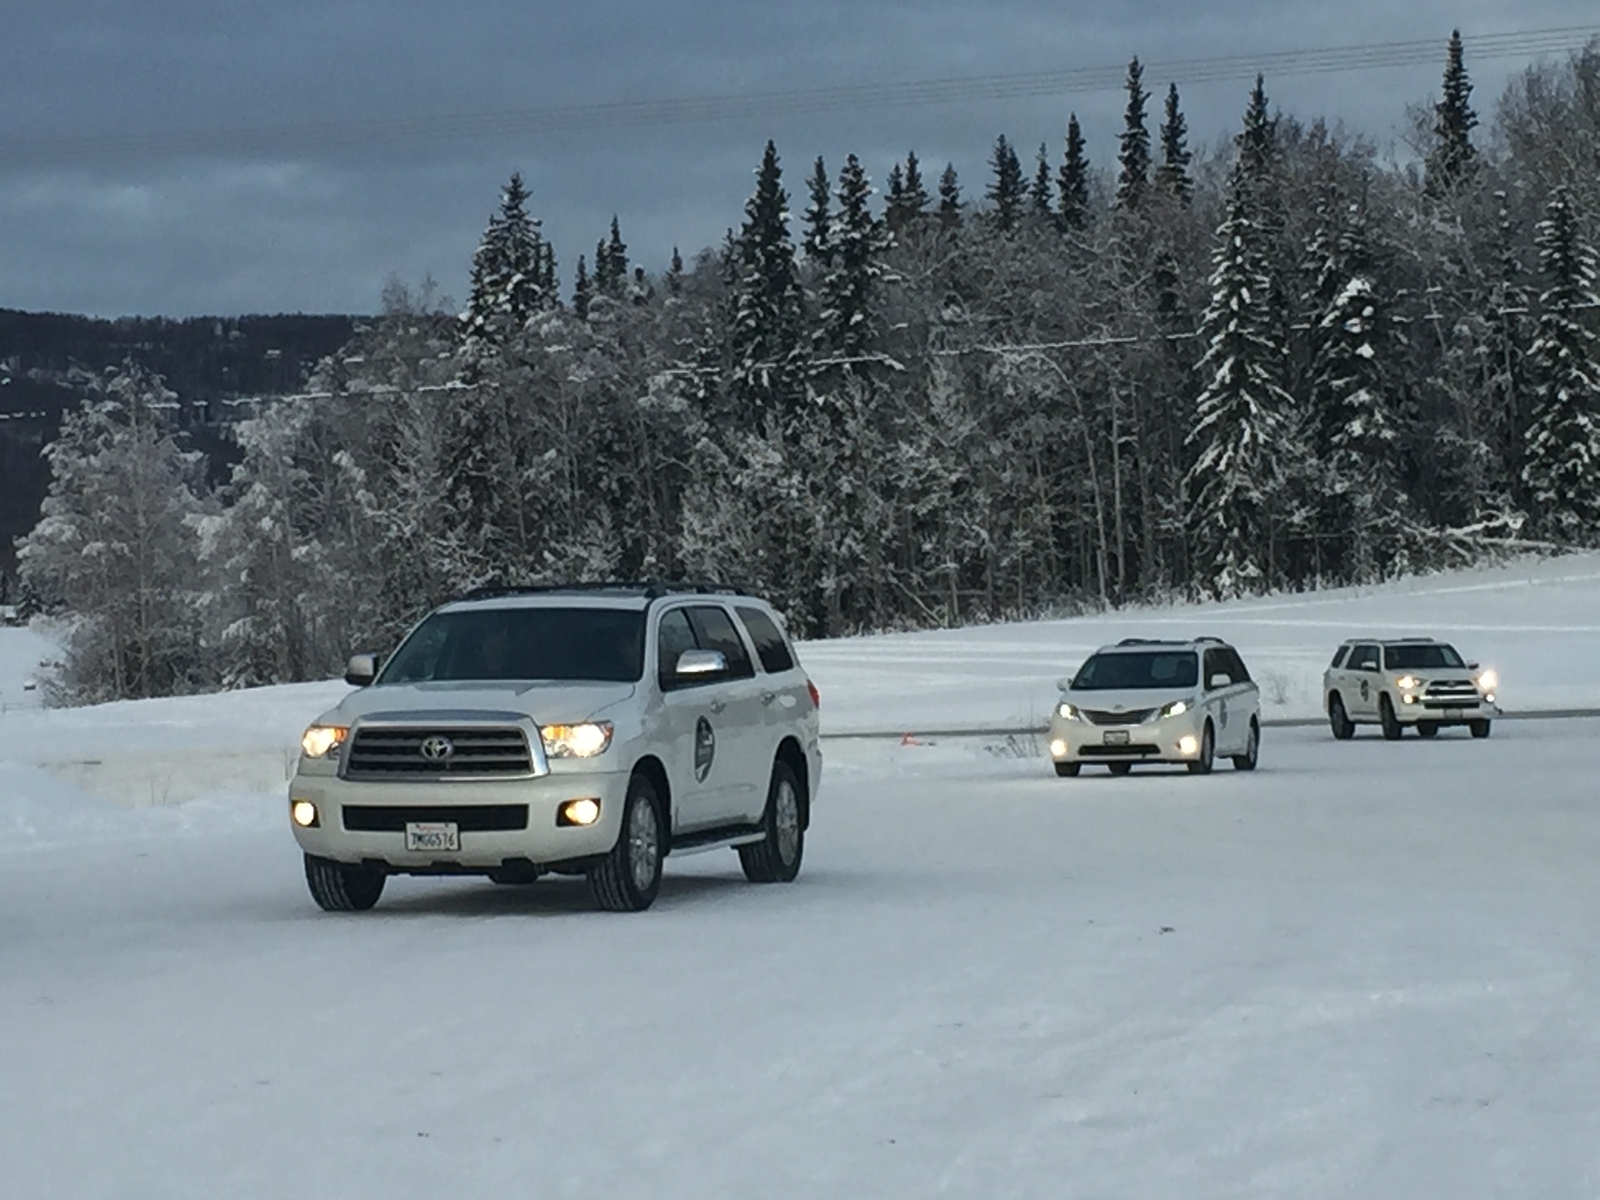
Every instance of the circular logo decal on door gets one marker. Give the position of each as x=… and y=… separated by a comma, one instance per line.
x=705, y=749
x=1366, y=690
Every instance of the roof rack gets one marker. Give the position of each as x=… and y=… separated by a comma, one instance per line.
x=1209, y=639
x=649, y=589
x=1139, y=641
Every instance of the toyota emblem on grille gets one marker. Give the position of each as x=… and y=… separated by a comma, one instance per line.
x=436, y=749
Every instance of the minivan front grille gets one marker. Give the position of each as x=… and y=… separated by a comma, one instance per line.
x=438, y=752
x=1099, y=717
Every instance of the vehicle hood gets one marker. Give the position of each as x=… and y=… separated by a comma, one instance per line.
x=544, y=703
x=1133, y=700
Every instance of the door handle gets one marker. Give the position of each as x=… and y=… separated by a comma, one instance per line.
x=717, y=706
x=768, y=697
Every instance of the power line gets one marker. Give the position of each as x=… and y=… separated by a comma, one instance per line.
x=40, y=150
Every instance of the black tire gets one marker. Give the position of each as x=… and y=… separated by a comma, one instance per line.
x=1392, y=729
x=1343, y=727
x=629, y=876
x=776, y=857
x=1119, y=768
x=1427, y=729
x=1208, y=753
x=1068, y=770
x=1252, y=752
x=343, y=887
x=1480, y=728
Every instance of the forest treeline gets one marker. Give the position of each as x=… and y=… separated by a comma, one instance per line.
x=1288, y=363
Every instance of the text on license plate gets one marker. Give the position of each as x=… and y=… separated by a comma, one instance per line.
x=433, y=835
x=1116, y=737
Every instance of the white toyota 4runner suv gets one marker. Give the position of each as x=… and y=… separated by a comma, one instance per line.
x=582, y=730
x=1412, y=681
x=1146, y=701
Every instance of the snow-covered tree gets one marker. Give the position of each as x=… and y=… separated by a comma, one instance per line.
x=1039, y=193
x=846, y=317
x=949, y=197
x=513, y=270
x=907, y=201
x=1561, y=469
x=818, y=215
x=1239, y=426
x=766, y=334
x=116, y=544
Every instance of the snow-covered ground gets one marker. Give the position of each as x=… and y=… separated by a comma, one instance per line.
x=1367, y=969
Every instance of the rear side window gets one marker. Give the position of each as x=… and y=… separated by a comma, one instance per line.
x=771, y=648
x=1234, y=664
x=1216, y=663
x=1338, y=656
x=714, y=629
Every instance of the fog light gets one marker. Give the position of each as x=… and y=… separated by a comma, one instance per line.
x=1489, y=696
x=1058, y=749
x=1188, y=744
x=578, y=812
x=304, y=814
x=1410, y=699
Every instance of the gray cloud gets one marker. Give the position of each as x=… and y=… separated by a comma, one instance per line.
x=159, y=219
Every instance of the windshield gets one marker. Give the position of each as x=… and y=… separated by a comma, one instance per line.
x=1138, y=669
x=1421, y=658
x=522, y=643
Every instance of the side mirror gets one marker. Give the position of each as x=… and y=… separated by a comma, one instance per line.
x=1064, y=684
x=1219, y=680
x=698, y=666
x=361, y=670
x=1472, y=666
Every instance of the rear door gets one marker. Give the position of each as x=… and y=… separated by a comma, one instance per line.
x=785, y=698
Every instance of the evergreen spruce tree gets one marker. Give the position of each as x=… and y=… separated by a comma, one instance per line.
x=1355, y=431
x=1073, y=182
x=1505, y=321
x=509, y=270
x=1133, y=178
x=1452, y=156
x=582, y=293
x=1173, y=173
x=914, y=199
x=675, y=275
x=767, y=326
x=617, y=254
x=1561, y=470
x=847, y=321
x=1258, y=140
x=949, y=198
x=1236, y=438
x=894, y=199
x=818, y=215
x=1039, y=194
x=1007, y=191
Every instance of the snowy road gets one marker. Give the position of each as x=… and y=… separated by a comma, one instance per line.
x=1369, y=969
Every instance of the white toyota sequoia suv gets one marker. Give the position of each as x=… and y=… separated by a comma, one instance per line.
x=581, y=730
x=1410, y=681
x=1144, y=701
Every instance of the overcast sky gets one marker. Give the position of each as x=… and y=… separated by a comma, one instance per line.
x=180, y=157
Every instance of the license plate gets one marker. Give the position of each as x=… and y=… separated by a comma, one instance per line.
x=1452, y=714
x=1116, y=737
x=433, y=835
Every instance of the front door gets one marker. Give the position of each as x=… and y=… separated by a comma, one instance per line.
x=738, y=782
x=688, y=724
x=1362, y=682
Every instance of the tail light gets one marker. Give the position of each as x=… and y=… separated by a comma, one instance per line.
x=816, y=696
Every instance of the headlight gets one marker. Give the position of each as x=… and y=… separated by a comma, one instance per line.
x=576, y=741
x=1407, y=683
x=1488, y=680
x=1066, y=711
x=322, y=740
x=1176, y=709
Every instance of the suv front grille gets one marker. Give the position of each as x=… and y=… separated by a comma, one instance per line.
x=469, y=818
x=1137, y=717
x=402, y=753
x=1450, y=693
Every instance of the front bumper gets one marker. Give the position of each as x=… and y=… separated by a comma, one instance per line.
x=542, y=842
x=1419, y=708
x=1171, y=740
